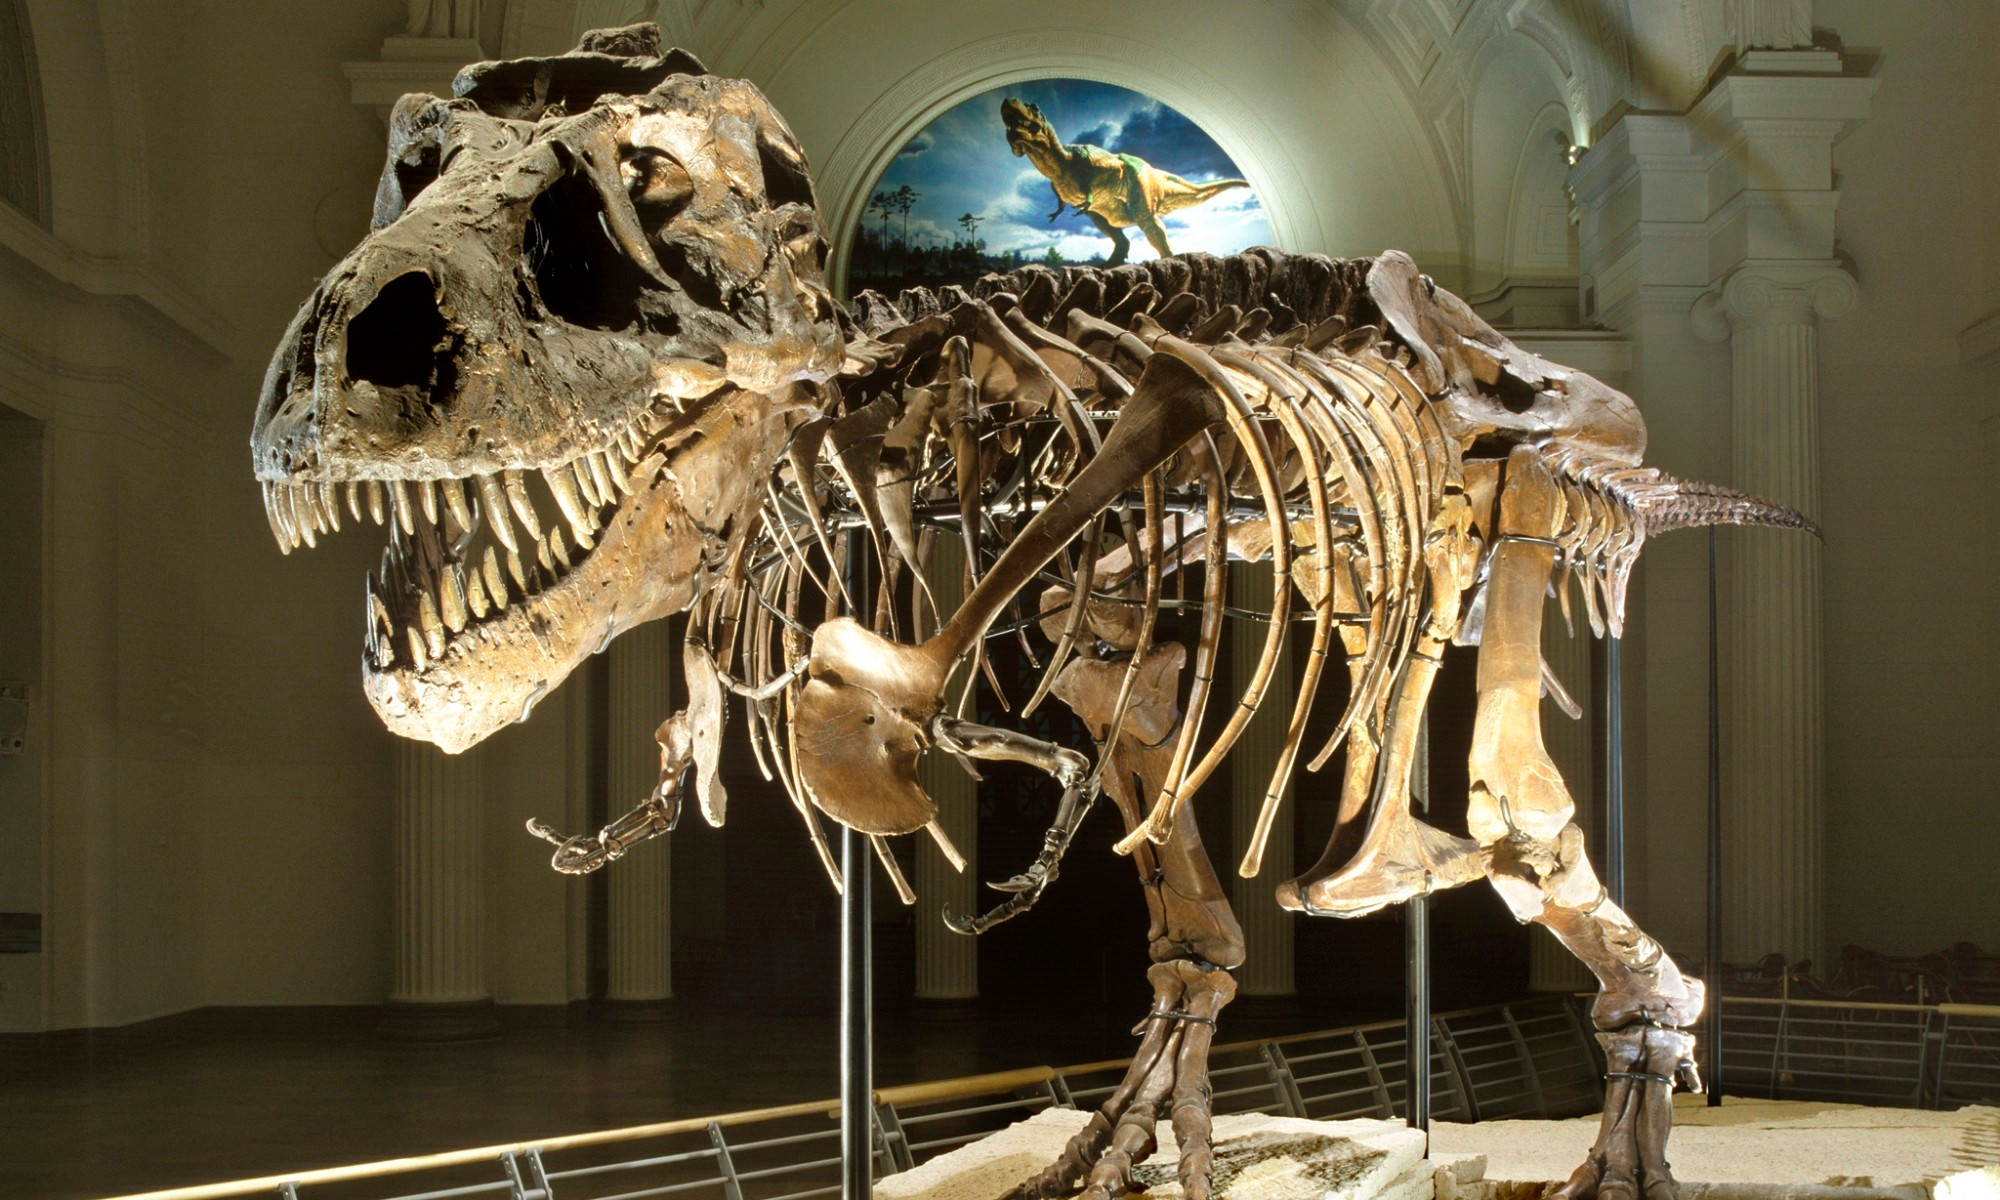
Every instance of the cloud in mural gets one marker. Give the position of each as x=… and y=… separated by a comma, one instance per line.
x=972, y=206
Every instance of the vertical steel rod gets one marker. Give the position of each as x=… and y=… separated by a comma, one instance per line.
x=1417, y=1011
x=857, y=1034
x=1713, y=968
x=1614, y=771
x=857, y=1003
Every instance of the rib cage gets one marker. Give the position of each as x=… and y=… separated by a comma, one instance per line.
x=1329, y=433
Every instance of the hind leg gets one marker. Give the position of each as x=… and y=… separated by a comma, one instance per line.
x=1193, y=939
x=1120, y=244
x=1520, y=812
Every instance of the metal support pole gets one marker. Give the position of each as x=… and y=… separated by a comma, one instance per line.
x=857, y=1005
x=1417, y=1011
x=1614, y=771
x=1713, y=968
x=857, y=1034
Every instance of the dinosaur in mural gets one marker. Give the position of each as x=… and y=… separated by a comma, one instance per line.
x=1115, y=191
x=586, y=372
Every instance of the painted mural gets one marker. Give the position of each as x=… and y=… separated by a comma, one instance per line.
x=1052, y=171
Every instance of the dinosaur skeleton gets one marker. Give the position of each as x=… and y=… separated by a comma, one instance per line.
x=586, y=372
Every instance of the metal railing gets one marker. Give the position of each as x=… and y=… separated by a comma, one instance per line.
x=1925, y=1056
x=1529, y=1059
x=1532, y=1059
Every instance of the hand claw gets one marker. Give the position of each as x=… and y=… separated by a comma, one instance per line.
x=574, y=855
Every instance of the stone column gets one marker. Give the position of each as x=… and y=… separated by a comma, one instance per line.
x=1773, y=799
x=1267, y=929
x=947, y=962
x=440, y=985
x=639, y=933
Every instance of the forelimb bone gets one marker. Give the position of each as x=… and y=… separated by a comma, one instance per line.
x=1067, y=767
x=657, y=814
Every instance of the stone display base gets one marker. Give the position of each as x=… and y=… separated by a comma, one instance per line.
x=1745, y=1150
x=1760, y=1150
x=1256, y=1158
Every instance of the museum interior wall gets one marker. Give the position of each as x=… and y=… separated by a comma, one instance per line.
x=1793, y=262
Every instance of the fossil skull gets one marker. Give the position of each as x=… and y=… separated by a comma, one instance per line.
x=559, y=369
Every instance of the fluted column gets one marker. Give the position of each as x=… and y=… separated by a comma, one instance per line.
x=639, y=927
x=440, y=988
x=1267, y=929
x=1551, y=967
x=1771, y=618
x=947, y=962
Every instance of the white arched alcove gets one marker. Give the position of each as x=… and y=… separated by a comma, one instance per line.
x=995, y=63
x=904, y=109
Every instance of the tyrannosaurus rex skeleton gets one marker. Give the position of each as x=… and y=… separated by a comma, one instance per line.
x=586, y=372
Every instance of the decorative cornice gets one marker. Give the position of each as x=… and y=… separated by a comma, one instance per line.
x=408, y=64
x=1764, y=294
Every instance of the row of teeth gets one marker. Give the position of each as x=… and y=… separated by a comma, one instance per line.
x=301, y=513
x=444, y=593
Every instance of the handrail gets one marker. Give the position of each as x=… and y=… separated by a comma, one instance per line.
x=480, y=1154
x=1959, y=1010
x=523, y=1164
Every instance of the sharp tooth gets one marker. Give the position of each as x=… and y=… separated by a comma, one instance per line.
x=280, y=520
x=383, y=650
x=618, y=472
x=542, y=554
x=451, y=598
x=517, y=499
x=351, y=493
x=329, y=503
x=635, y=443
x=406, y=517
x=377, y=501
x=557, y=548
x=494, y=504
x=378, y=613
x=475, y=596
x=585, y=541
x=427, y=497
x=517, y=572
x=454, y=501
x=600, y=474
x=302, y=520
x=585, y=485
x=489, y=568
x=418, y=659
x=561, y=482
x=427, y=616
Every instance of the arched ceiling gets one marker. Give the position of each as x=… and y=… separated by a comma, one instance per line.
x=1354, y=118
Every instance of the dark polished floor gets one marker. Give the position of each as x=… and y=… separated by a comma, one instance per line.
x=227, y=1094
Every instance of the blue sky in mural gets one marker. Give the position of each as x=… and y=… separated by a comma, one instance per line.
x=961, y=164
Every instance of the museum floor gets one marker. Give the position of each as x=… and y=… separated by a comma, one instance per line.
x=225, y=1094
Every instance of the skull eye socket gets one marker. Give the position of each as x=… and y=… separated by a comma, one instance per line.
x=581, y=275
x=786, y=179
x=658, y=185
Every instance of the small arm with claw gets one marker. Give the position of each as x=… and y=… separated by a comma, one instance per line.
x=1066, y=767
x=655, y=815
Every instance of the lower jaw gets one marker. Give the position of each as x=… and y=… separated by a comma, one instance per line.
x=646, y=565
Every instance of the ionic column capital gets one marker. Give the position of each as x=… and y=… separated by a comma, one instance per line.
x=1760, y=294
